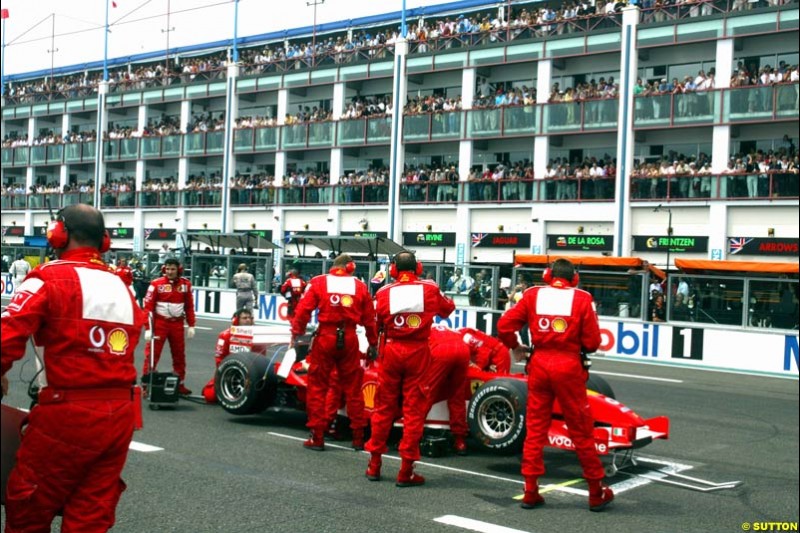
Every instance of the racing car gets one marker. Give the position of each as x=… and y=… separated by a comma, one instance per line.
x=261, y=372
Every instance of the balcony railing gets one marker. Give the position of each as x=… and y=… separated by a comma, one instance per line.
x=761, y=103
x=771, y=185
x=742, y=186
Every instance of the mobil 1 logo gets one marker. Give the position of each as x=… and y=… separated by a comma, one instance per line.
x=687, y=343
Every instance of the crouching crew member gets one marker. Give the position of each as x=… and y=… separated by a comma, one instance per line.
x=170, y=302
x=87, y=324
x=343, y=303
x=563, y=323
x=242, y=317
x=446, y=379
x=406, y=309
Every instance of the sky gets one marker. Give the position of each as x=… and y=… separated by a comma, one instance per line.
x=137, y=26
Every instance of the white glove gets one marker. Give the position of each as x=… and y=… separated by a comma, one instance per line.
x=148, y=335
x=190, y=333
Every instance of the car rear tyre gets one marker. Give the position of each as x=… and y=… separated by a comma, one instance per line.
x=496, y=415
x=240, y=384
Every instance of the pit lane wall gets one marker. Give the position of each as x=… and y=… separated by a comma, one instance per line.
x=761, y=352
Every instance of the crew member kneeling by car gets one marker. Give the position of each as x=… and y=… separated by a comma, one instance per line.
x=406, y=309
x=242, y=317
x=343, y=303
x=563, y=323
x=87, y=325
x=446, y=379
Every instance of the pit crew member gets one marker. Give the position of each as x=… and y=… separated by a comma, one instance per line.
x=242, y=317
x=563, y=323
x=170, y=303
x=343, y=303
x=406, y=309
x=292, y=289
x=87, y=324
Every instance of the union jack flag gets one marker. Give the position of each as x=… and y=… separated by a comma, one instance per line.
x=477, y=238
x=737, y=244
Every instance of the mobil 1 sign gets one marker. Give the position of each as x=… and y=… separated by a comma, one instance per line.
x=703, y=347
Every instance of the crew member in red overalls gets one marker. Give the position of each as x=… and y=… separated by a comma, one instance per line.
x=343, y=302
x=446, y=379
x=242, y=317
x=487, y=352
x=170, y=302
x=124, y=271
x=563, y=323
x=292, y=289
x=86, y=324
x=406, y=309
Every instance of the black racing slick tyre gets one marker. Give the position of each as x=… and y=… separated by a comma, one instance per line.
x=496, y=415
x=240, y=383
x=598, y=384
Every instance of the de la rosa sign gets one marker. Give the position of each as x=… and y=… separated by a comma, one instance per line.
x=600, y=243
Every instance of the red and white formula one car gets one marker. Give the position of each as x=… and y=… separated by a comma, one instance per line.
x=258, y=375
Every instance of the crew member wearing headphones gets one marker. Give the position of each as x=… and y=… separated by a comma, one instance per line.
x=170, y=302
x=242, y=317
x=87, y=325
x=343, y=303
x=406, y=309
x=563, y=323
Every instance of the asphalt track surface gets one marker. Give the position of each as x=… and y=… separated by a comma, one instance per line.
x=208, y=471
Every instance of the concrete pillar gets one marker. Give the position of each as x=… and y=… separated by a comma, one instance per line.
x=721, y=140
x=629, y=63
x=228, y=158
x=283, y=106
x=183, y=162
x=468, y=77
x=541, y=144
x=338, y=101
x=718, y=237
x=337, y=165
x=101, y=128
x=397, y=155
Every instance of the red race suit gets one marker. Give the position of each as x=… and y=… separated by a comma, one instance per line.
x=126, y=273
x=446, y=376
x=85, y=324
x=488, y=353
x=406, y=310
x=170, y=303
x=292, y=289
x=563, y=322
x=343, y=302
x=223, y=350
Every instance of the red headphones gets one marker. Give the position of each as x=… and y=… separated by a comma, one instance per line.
x=547, y=277
x=164, y=269
x=350, y=267
x=58, y=235
x=394, y=272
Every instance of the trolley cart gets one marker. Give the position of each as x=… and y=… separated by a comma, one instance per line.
x=162, y=387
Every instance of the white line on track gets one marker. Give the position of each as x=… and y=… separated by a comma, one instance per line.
x=474, y=525
x=432, y=465
x=135, y=446
x=142, y=447
x=636, y=376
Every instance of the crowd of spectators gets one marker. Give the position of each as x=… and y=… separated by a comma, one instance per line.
x=424, y=35
x=755, y=174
